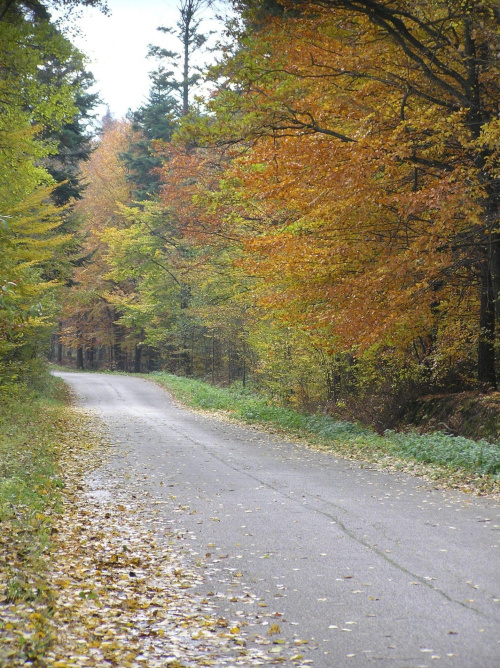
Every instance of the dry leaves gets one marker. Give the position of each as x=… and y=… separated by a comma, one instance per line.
x=123, y=597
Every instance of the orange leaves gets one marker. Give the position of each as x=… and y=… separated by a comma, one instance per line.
x=106, y=178
x=363, y=171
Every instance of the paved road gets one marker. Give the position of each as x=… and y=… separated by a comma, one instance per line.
x=372, y=568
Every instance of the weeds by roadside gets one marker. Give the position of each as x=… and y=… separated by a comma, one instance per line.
x=446, y=460
x=31, y=424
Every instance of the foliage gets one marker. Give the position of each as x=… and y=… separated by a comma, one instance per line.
x=73, y=140
x=375, y=174
x=40, y=9
x=455, y=451
x=88, y=316
x=182, y=75
x=131, y=292
x=170, y=96
x=325, y=227
x=29, y=241
x=153, y=121
x=31, y=425
x=40, y=73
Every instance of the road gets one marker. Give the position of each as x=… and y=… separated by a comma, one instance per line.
x=371, y=568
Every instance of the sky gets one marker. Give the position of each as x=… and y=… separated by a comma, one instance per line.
x=117, y=47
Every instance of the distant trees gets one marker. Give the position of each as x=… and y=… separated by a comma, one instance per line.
x=141, y=242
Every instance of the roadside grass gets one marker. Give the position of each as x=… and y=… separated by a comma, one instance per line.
x=452, y=461
x=31, y=427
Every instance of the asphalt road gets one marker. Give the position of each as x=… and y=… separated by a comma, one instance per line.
x=371, y=568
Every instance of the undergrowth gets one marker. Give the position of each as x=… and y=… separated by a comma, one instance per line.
x=31, y=424
x=476, y=463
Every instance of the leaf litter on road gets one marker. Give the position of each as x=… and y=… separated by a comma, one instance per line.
x=123, y=595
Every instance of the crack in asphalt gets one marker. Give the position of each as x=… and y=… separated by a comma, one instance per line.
x=335, y=518
x=205, y=456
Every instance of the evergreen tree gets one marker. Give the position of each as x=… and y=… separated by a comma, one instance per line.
x=73, y=139
x=155, y=120
x=169, y=98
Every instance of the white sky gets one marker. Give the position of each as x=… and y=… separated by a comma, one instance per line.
x=117, y=46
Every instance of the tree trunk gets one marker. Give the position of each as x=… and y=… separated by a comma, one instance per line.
x=486, y=350
x=137, y=359
x=59, y=346
x=91, y=356
x=495, y=270
x=119, y=364
x=79, y=358
x=186, y=30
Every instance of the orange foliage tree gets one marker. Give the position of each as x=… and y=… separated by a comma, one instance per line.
x=89, y=317
x=366, y=132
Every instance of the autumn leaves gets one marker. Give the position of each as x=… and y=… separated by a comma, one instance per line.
x=327, y=216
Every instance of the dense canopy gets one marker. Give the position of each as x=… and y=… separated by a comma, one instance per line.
x=322, y=223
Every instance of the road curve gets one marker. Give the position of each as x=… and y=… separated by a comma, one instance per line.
x=371, y=568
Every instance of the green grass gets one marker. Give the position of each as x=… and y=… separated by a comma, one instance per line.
x=479, y=457
x=31, y=425
x=456, y=454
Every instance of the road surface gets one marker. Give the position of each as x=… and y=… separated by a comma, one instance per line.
x=371, y=568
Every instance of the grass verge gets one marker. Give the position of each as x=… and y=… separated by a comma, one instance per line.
x=457, y=462
x=32, y=422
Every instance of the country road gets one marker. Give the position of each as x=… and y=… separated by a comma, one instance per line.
x=371, y=568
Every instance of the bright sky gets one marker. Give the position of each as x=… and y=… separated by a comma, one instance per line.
x=117, y=46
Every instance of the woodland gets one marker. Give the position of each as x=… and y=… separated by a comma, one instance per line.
x=313, y=217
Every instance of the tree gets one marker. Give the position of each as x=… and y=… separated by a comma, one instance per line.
x=73, y=140
x=450, y=49
x=89, y=321
x=169, y=98
x=33, y=107
x=380, y=167
x=154, y=121
x=40, y=9
x=192, y=40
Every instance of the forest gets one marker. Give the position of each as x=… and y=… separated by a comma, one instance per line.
x=313, y=217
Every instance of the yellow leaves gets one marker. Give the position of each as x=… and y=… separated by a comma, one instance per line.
x=105, y=174
x=124, y=599
x=348, y=238
x=274, y=629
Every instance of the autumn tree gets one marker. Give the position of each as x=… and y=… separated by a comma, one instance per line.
x=33, y=107
x=152, y=247
x=450, y=52
x=370, y=149
x=89, y=319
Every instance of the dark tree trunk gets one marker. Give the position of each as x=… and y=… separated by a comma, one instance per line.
x=118, y=357
x=79, y=358
x=137, y=359
x=59, y=346
x=213, y=357
x=486, y=350
x=331, y=383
